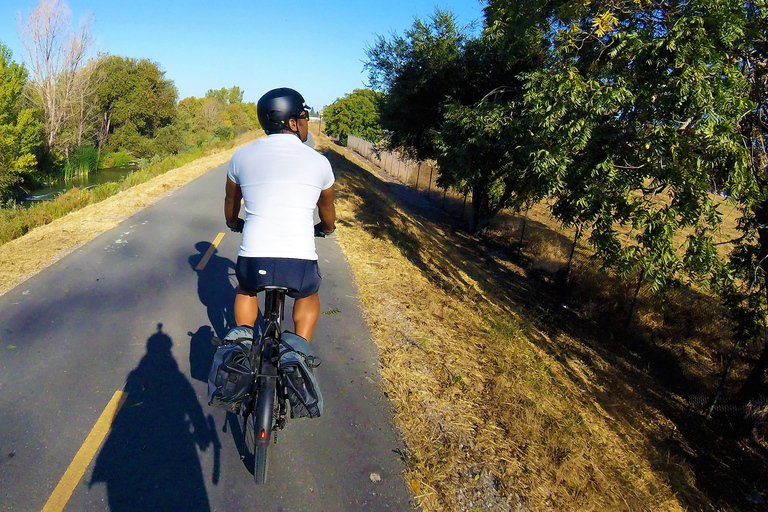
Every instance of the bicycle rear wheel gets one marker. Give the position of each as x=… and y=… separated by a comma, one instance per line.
x=262, y=422
x=260, y=463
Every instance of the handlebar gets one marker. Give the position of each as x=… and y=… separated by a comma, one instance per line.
x=239, y=227
x=319, y=233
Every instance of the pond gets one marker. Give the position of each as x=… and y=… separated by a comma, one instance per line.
x=52, y=190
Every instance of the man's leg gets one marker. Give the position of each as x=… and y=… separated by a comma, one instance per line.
x=306, y=311
x=247, y=308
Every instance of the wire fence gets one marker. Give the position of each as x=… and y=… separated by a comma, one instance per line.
x=418, y=175
x=682, y=325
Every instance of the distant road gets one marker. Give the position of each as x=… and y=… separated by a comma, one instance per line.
x=125, y=322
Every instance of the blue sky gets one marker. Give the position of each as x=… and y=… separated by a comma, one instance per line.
x=317, y=48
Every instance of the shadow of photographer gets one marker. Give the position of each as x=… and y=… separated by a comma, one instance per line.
x=150, y=460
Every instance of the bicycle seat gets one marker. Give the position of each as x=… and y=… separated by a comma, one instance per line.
x=274, y=288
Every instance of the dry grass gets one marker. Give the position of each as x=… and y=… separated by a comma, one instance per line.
x=506, y=400
x=497, y=413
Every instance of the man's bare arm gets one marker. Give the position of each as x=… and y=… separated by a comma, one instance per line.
x=327, y=210
x=232, y=203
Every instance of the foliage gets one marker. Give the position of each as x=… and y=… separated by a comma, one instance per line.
x=135, y=101
x=224, y=132
x=455, y=98
x=81, y=162
x=115, y=159
x=634, y=124
x=420, y=73
x=484, y=149
x=226, y=96
x=19, y=130
x=748, y=262
x=16, y=222
x=357, y=114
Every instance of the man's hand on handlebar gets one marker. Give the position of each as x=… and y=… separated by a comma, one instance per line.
x=319, y=232
x=239, y=227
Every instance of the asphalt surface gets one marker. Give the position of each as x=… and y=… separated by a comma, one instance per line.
x=129, y=311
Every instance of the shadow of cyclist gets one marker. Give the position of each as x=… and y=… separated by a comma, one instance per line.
x=214, y=288
x=150, y=460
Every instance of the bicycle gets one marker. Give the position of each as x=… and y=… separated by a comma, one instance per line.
x=265, y=409
x=265, y=394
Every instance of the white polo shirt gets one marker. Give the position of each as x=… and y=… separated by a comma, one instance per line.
x=281, y=179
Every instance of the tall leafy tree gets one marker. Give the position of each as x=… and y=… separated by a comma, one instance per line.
x=420, y=72
x=19, y=130
x=357, y=114
x=648, y=107
x=226, y=96
x=135, y=101
x=749, y=260
x=634, y=121
x=456, y=98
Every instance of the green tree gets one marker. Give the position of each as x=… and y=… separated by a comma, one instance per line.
x=357, y=113
x=226, y=96
x=19, y=130
x=135, y=101
x=421, y=73
x=634, y=123
x=457, y=98
x=749, y=259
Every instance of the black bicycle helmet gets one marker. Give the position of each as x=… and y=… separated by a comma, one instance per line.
x=277, y=106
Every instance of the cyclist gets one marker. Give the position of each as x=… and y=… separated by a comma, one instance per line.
x=281, y=180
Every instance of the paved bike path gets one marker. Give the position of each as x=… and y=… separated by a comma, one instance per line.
x=129, y=312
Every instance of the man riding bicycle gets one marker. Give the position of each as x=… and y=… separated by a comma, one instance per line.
x=280, y=180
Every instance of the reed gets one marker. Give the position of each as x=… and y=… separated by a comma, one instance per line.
x=81, y=163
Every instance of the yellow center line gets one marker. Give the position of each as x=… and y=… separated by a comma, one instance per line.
x=74, y=473
x=209, y=252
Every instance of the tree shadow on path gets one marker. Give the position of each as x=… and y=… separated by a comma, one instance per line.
x=150, y=460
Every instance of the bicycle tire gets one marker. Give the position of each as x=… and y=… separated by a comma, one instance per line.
x=260, y=463
x=257, y=458
x=262, y=428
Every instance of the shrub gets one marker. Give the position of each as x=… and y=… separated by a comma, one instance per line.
x=224, y=132
x=119, y=158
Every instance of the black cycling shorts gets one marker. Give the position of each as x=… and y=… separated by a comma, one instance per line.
x=301, y=276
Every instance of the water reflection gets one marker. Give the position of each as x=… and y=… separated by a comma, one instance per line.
x=99, y=177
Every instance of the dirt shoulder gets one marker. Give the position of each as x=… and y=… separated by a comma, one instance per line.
x=43, y=246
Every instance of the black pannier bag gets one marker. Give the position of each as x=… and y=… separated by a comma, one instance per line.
x=296, y=363
x=231, y=376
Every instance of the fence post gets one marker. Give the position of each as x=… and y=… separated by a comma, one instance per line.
x=407, y=171
x=418, y=173
x=573, y=251
x=464, y=206
x=429, y=188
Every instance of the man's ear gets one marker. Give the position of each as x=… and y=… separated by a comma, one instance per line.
x=293, y=124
